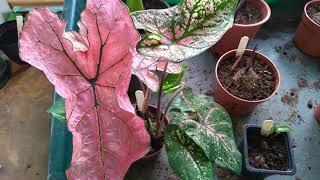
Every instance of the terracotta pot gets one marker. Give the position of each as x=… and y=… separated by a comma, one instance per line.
x=156, y=154
x=307, y=36
x=235, y=105
x=317, y=113
x=230, y=40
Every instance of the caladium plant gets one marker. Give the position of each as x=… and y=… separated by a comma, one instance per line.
x=185, y=30
x=91, y=69
x=201, y=132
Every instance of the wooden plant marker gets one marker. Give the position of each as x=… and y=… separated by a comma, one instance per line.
x=240, y=51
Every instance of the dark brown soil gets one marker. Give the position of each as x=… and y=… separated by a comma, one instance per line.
x=268, y=152
x=248, y=14
x=303, y=83
x=316, y=85
x=310, y=104
x=257, y=83
x=314, y=12
x=291, y=98
x=156, y=143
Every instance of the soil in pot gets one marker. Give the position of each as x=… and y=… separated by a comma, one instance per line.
x=313, y=12
x=156, y=143
x=268, y=152
x=248, y=14
x=254, y=83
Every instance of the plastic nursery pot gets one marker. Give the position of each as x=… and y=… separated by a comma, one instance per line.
x=231, y=38
x=252, y=133
x=307, y=36
x=235, y=105
x=9, y=41
x=155, y=154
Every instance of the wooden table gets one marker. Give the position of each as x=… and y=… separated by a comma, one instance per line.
x=35, y=2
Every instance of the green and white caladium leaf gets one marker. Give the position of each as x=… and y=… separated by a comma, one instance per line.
x=58, y=110
x=185, y=30
x=186, y=158
x=209, y=126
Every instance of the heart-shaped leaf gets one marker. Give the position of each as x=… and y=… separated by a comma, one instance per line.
x=58, y=110
x=209, y=126
x=92, y=70
x=186, y=158
x=185, y=30
x=144, y=68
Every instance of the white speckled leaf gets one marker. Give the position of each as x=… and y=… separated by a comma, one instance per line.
x=185, y=30
x=209, y=126
x=186, y=158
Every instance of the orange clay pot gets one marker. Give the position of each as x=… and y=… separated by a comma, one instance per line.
x=230, y=40
x=307, y=36
x=235, y=105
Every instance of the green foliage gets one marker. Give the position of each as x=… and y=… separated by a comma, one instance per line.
x=186, y=158
x=58, y=110
x=135, y=5
x=209, y=127
x=173, y=81
x=280, y=129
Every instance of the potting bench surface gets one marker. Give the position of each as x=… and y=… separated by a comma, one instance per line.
x=293, y=104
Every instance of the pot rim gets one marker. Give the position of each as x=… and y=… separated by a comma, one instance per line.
x=264, y=20
x=307, y=15
x=222, y=58
x=290, y=171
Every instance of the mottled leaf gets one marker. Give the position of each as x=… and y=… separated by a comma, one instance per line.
x=209, y=126
x=186, y=158
x=92, y=70
x=185, y=30
x=58, y=110
x=173, y=81
x=144, y=68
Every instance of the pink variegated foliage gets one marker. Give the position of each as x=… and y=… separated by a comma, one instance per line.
x=92, y=70
x=144, y=68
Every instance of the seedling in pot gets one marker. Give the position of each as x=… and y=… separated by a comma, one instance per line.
x=268, y=150
x=269, y=128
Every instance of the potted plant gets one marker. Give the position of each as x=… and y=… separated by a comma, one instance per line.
x=307, y=35
x=242, y=82
x=192, y=137
x=92, y=69
x=250, y=16
x=267, y=151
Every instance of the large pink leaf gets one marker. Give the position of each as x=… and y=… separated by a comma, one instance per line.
x=144, y=68
x=92, y=70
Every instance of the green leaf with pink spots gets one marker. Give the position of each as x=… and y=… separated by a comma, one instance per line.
x=209, y=126
x=185, y=30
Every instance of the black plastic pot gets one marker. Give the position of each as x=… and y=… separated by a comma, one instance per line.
x=255, y=173
x=9, y=41
x=4, y=72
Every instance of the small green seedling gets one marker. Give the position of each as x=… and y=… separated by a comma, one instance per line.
x=269, y=128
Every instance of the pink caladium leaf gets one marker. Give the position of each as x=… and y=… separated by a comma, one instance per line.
x=185, y=30
x=92, y=70
x=144, y=68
